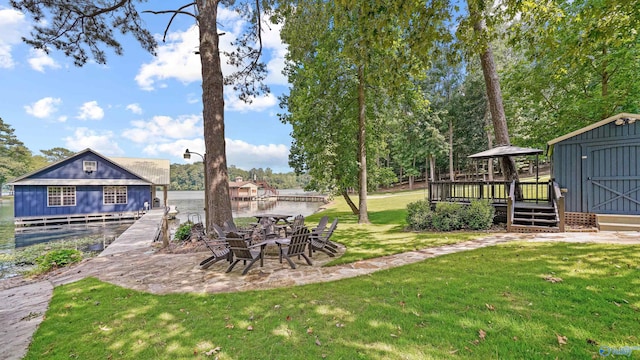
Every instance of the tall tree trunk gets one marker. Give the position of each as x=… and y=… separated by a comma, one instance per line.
x=217, y=189
x=363, y=216
x=494, y=94
x=354, y=208
x=452, y=175
x=487, y=122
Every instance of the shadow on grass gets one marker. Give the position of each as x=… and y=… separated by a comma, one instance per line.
x=487, y=303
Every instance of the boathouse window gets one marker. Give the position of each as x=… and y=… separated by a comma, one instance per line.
x=61, y=196
x=114, y=195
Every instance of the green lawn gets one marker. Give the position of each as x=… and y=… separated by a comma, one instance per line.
x=488, y=303
x=386, y=234
x=514, y=301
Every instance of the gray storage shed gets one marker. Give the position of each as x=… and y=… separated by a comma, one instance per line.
x=599, y=166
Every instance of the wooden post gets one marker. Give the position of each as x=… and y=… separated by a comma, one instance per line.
x=561, y=213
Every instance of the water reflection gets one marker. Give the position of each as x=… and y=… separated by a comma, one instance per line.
x=190, y=205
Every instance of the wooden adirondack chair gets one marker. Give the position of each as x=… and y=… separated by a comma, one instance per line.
x=298, y=222
x=242, y=251
x=218, y=247
x=297, y=246
x=320, y=241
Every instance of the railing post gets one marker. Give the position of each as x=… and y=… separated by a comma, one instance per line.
x=509, y=213
x=561, y=213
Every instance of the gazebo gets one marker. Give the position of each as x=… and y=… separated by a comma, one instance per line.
x=530, y=206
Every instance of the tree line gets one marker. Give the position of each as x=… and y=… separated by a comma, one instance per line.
x=17, y=160
x=383, y=89
x=191, y=177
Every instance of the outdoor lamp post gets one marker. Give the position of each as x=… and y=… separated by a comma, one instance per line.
x=187, y=155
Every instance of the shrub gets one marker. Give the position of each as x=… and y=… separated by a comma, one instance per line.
x=447, y=217
x=56, y=259
x=183, y=231
x=419, y=215
x=478, y=215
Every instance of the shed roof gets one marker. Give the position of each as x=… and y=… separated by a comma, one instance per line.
x=593, y=126
x=154, y=170
x=505, y=150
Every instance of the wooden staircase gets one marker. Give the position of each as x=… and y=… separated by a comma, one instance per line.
x=534, y=217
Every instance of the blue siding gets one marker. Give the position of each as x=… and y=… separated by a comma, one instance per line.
x=600, y=168
x=32, y=201
x=72, y=169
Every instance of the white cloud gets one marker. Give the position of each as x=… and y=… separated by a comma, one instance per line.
x=177, y=59
x=135, y=108
x=277, y=51
x=176, y=149
x=193, y=98
x=90, y=111
x=13, y=26
x=39, y=60
x=100, y=141
x=247, y=156
x=163, y=128
x=233, y=103
x=62, y=118
x=44, y=107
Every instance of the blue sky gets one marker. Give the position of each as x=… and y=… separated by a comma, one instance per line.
x=137, y=105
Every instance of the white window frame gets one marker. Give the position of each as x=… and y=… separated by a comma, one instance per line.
x=61, y=196
x=114, y=195
x=89, y=166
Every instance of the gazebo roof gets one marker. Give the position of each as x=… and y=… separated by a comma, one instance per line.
x=505, y=150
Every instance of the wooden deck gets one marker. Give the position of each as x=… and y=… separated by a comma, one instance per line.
x=44, y=222
x=528, y=206
x=139, y=236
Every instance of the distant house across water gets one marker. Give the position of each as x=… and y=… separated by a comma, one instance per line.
x=242, y=190
x=89, y=187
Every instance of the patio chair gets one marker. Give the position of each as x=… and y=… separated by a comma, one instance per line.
x=322, y=224
x=220, y=251
x=296, y=246
x=242, y=251
x=267, y=230
x=320, y=241
x=229, y=226
x=298, y=221
x=218, y=247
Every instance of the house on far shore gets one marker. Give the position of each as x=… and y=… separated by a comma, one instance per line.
x=242, y=190
x=89, y=187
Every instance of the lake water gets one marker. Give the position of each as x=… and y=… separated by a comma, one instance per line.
x=190, y=205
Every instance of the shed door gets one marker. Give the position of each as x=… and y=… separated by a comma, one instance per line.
x=613, y=179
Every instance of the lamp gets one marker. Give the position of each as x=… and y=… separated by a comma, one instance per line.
x=187, y=156
x=625, y=121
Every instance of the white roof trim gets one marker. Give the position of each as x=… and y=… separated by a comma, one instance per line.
x=80, y=182
x=593, y=126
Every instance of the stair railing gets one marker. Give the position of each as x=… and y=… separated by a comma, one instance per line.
x=511, y=202
x=558, y=204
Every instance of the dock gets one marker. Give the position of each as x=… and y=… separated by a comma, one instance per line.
x=296, y=198
x=55, y=221
x=139, y=236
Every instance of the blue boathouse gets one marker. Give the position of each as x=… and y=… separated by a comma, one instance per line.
x=89, y=187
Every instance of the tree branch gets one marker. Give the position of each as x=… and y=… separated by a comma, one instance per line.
x=175, y=13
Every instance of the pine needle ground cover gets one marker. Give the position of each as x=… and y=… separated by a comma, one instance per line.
x=514, y=301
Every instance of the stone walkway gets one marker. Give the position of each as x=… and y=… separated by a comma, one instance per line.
x=134, y=264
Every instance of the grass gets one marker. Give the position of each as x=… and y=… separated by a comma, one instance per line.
x=483, y=304
x=386, y=234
